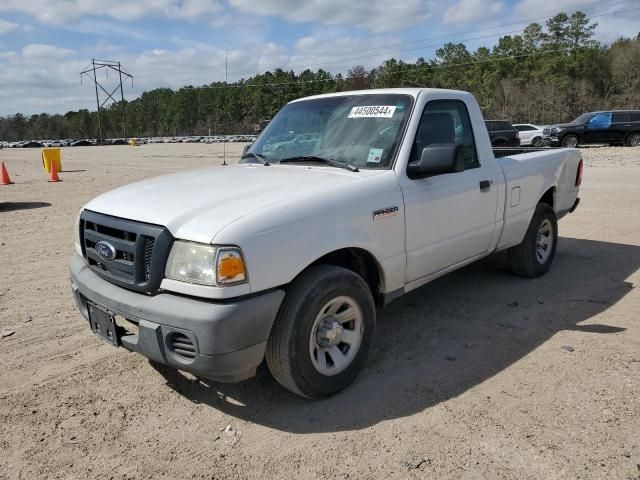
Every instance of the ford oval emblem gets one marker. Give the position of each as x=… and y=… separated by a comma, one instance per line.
x=105, y=250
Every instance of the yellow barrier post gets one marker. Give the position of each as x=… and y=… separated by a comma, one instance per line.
x=49, y=156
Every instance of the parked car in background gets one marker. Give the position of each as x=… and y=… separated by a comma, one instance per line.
x=32, y=144
x=502, y=133
x=301, y=144
x=530, y=134
x=81, y=143
x=615, y=127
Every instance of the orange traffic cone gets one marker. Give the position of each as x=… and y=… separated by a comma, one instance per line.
x=4, y=176
x=53, y=176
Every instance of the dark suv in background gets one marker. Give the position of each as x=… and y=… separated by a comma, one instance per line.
x=617, y=127
x=503, y=133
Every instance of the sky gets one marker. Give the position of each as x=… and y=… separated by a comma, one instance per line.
x=45, y=44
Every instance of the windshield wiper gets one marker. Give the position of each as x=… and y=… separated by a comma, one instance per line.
x=259, y=156
x=326, y=161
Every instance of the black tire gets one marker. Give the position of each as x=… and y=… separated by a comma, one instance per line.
x=501, y=143
x=537, y=142
x=633, y=139
x=523, y=258
x=288, y=352
x=571, y=141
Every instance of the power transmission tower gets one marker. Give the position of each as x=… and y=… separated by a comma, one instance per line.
x=117, y=67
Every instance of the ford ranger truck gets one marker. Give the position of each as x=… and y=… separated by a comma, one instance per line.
x=286, y=255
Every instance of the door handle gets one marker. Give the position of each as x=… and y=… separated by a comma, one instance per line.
x=485, y=185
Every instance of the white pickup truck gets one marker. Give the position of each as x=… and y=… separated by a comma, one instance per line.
x=286, y=255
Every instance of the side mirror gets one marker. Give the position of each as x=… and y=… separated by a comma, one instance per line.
x=437, y=159
x=246, y=147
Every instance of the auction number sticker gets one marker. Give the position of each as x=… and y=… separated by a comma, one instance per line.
x=372, y=111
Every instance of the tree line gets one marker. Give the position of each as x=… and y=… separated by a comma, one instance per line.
x=546, y=74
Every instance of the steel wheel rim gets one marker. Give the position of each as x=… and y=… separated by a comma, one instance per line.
x=544, y=241
x=336, y=336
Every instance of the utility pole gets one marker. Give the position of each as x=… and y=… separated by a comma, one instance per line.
x=124, y=112
x=93, y=62
x=226, y=67
x=117, y=67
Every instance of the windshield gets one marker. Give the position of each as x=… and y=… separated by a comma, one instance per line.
x=584, y=118
x=362, y=131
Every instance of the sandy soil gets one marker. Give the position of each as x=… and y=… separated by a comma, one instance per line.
x=479, y=375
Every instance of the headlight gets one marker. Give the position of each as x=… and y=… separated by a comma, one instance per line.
x=205, y=264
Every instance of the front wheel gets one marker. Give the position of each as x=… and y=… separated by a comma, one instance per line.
x=324, y=331
x=534, y=256
x=537, y=142
x=570, y=141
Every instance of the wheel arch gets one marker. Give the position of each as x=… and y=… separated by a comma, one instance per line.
x=359, y=261
x=549, y=197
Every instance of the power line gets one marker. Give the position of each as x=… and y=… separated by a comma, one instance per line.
x=334, y=60
x=520, y=22
x=412, y=68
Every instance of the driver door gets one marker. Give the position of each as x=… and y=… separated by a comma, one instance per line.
x=451, y=217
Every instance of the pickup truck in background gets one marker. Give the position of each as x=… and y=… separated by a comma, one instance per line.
x=502, y=133
x=287, y=257
x=617, y=127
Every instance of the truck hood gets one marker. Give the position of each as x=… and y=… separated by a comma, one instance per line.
x=197, y=204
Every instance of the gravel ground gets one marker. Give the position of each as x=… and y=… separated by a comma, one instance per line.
x=479, y=375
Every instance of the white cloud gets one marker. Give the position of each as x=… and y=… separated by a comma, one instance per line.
x=467, y=11
x=6, y=26
x=537, y=8
x=63, y=11
x=38, y=51
x=373, y=15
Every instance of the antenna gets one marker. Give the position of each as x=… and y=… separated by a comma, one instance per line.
x=224, y=150
x=117, y=67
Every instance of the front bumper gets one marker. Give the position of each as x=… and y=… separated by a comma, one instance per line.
x=551, y=141
x=229, y=337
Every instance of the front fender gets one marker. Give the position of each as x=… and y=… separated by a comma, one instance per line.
x=281, y=240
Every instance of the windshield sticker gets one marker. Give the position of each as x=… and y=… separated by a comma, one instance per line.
x=375, y=155
x=372, y=111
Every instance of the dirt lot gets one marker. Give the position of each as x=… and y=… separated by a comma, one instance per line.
x=480, y=375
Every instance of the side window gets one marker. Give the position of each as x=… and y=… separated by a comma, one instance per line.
x=620, y=117
x=601, y=120
x=446, y=121
x=634, y=116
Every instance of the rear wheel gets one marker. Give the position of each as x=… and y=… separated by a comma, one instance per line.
x=633, y=140
x=570, y=141
x=537, y=142
x=324, y=331
x=534, y=256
